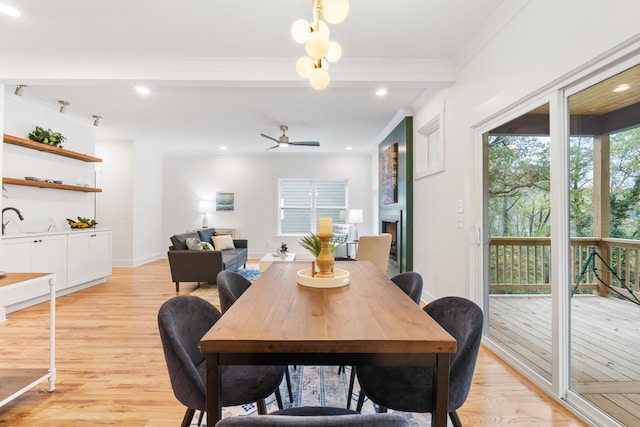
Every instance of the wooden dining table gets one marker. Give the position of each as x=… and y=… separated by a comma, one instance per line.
x=370, y=321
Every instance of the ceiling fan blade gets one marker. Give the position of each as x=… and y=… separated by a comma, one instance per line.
x=275, y=146
x=269, y=137
x=306, y=143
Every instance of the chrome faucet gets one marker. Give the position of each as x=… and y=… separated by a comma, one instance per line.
x=4, y=224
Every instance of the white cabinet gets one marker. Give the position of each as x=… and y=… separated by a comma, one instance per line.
x=89, y=256
x=78, y=259
x=38, y=254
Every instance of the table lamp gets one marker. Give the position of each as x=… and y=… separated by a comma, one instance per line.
x=204, y=208
x=355, y=218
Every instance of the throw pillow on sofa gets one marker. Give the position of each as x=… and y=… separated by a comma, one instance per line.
x=194, y=244
x=223, y=242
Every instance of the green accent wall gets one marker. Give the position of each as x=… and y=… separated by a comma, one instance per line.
x=402, y=209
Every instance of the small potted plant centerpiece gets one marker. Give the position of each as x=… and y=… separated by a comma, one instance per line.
x=313, y=244
x=283, y=250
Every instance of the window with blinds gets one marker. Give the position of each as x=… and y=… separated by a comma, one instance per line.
x=303, y=201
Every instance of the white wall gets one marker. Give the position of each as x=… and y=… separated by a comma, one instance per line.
x=148, y=195
x=254, y=181
x=116, y=202
x=131, y=203
x=544, y=41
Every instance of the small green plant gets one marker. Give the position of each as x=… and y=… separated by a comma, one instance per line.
x=47, y=136
x=283, y=248
x=312, y=244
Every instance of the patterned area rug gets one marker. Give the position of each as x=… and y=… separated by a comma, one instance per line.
x=209, y=291
x=318, y=386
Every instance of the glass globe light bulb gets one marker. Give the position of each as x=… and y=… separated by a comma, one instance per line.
x=304, y=67
x=317, y=45
x=335, y=11
x=319, y=79
x=323, y=27
x=335, y=52
x=300, y=30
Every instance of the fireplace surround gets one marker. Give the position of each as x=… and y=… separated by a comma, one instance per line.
x=396, y=214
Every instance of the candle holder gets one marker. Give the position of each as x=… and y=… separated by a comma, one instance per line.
x=325, y=260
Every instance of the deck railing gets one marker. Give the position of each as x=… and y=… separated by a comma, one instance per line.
x=523, y=265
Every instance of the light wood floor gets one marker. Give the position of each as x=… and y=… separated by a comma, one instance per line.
x=604, y=340
x=111, y=370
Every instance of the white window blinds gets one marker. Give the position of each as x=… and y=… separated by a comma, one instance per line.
x=303, y=201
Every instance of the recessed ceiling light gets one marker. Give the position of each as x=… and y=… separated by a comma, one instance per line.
x=223, y=148
x=349, y=148
x=381, y=92
x=622, y=88
x=143, y=90
x=10, y=11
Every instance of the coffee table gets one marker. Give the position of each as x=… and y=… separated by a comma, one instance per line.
x=269, y=259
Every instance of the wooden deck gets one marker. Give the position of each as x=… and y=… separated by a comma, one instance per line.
x=605, y=346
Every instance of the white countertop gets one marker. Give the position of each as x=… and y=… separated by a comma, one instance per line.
x=52, y=233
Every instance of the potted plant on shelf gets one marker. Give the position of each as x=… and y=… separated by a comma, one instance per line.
x=283, y=250
x=47, y=136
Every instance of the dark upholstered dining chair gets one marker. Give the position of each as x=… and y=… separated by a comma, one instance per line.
x=183, y=321
x=231, y=286
x=316, y=417
x=411, y=284
x=409, y=388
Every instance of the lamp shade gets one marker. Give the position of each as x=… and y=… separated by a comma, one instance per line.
x=205, y=206
x=300, y=30
x=335, y=52
x=304, y=67
x=319, y=79
x=317, y=44
x=355, y=216
x=335, y=11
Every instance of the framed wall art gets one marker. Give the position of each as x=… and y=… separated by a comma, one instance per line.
x=390, y=174
x=224, y=201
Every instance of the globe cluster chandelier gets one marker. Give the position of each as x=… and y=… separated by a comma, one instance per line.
x=315, y=37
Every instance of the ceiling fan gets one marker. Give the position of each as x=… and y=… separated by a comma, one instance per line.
x=283, y=140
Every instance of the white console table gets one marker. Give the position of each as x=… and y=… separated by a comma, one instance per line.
x=15, y=381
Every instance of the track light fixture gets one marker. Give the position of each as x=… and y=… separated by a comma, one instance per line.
x=96, y=120
x=20, y=90
x=315, y=37
x=63, y=106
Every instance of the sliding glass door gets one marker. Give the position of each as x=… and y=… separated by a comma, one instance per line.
x=562, y=297
x=519, y=210
x=604, y=166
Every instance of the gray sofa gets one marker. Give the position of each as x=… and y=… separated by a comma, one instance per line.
x=204, y=265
